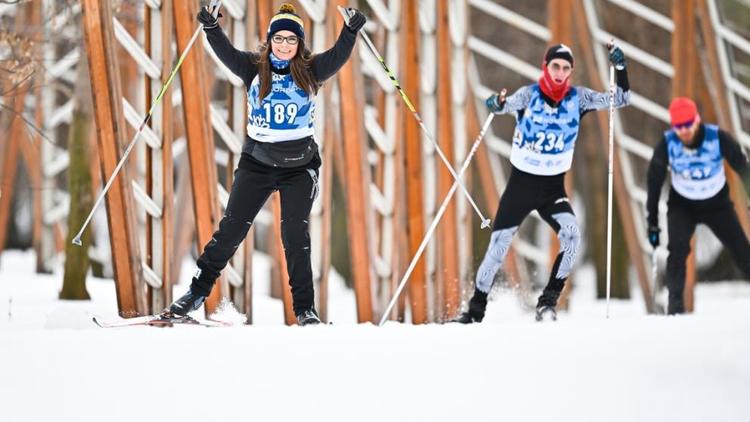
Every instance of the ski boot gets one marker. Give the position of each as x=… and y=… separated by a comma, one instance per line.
x=477, y=305
x=189, y=302
x=308, y=317
x=546, y=313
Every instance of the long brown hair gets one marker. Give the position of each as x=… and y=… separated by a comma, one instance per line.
x=300, y=66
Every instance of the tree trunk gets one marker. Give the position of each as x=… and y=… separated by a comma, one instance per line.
x=79, y=186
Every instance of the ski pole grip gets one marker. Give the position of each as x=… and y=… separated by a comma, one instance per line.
x=346, y=13
x=214, y=7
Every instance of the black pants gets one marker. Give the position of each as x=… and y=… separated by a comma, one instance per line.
x=525, y=193
x=253, y=184
x=682, y=217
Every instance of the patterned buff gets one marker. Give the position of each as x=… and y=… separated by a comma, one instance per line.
x=277, y=63
x=550, y=88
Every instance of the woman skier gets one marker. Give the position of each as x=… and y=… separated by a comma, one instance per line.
x=279, y=154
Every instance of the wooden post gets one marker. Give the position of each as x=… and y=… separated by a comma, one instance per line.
x=286, y=292
x=685, y=65
x=561, y=27
x=357, y=180
x=105, y=89
x=9, y=149
x=10, y=157
x=413, y=138
x=717, y=91
x=200, y=138
x=447, y=266
x=620, y=191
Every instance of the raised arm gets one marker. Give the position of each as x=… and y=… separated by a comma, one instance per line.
x=595, y=100
x=241, y=63
x=327, y=63
x=519, y=100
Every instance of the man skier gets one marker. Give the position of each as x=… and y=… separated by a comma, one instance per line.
x=548, y=115
x=694, y=153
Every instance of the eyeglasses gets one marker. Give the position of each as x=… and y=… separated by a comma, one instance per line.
x=291, y=40
x=686, y=125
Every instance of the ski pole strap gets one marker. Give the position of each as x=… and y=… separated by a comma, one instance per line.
x=214, y=7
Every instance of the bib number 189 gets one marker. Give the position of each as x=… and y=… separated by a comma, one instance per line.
x=281, y=113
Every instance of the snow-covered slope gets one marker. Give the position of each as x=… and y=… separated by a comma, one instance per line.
x=56, y=365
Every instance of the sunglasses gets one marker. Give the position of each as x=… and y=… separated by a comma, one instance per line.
x=291, y=40
x=686, y=125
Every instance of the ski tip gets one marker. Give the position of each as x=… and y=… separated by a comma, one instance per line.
x=96, y=322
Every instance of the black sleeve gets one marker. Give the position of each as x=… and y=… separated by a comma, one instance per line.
x=327, y=63
x=241, y=63
x=621, y=77
x=657, y=172
x=732, y=153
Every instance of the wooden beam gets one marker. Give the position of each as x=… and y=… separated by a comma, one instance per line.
x=286, y=292
x=685, y=64
x=166, y=162
x=107, y=97
x=715, y=85
x=359, y=211
x=413, y=139
x=620, y=191
x=447, y=267
x=200, y=140
x=560, y=23
x=9, y=149
x=10, y=157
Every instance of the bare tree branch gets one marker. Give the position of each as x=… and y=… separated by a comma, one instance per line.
x=29, y=123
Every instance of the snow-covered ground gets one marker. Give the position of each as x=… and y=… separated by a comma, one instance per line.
x=56, y=365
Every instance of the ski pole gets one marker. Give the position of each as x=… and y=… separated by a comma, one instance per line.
x=345, y=13
x=214, y=6
x=654, y=277
x=610, y=172
x=438, y=216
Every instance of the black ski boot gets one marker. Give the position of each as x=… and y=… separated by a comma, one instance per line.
x=477, y=305
x=546, y=313
x=545, y=306
x=189, y=302
x=308, y=317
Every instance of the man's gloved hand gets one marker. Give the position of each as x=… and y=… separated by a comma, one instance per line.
x=207, y=19
x=494, y=103
x=356, y=21
x=617, y=58
x=653, y=235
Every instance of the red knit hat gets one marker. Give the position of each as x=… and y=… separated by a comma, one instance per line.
x=682, y=110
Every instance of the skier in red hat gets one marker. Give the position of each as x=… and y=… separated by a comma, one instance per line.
x=694, y=153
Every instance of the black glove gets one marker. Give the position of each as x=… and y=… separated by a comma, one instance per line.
x=653, y=235
x=493, y=103
x=356, y=21
x=207, y=19
x=617, y=58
